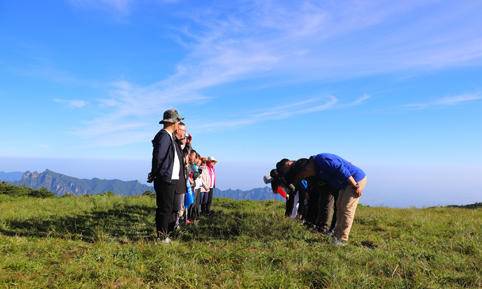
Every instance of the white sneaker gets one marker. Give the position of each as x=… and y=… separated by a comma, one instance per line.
x=166, y=241
x=338, y=243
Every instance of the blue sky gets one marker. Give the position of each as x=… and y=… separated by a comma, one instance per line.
x=396, y=88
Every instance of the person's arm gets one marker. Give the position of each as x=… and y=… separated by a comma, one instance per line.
x=160, y=152
x=356, y=187
x=344, y=173
x=281, y=192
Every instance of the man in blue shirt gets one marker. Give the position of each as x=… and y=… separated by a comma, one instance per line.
x=341, y=175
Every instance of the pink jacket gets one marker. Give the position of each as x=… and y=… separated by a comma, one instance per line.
x=212, y=174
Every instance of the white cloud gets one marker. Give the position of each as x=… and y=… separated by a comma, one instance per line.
x=72, y=103
x=307, y=106
x=446, y=101
x=298, y=41
x=272, y=113
x=362, y=99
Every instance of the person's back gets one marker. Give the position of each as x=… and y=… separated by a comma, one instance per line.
x=335, y=170
x=205, y=179
x=162, y=156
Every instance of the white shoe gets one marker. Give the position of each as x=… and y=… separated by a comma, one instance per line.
x=166, y=241
x=338, y=243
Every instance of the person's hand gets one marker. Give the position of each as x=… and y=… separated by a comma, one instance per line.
x=358, y=192
x=150, y=178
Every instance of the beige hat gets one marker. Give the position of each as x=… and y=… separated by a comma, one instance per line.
x=212, y=159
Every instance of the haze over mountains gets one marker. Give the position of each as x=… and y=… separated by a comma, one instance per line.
x=61, y=184
x=10, y=176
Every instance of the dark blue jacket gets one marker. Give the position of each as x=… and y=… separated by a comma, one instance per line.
x=163, y=156
x=335, y=170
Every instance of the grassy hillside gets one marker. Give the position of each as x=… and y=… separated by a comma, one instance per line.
x=107, y=242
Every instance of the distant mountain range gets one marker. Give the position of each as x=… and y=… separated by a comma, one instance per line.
x=62, y=184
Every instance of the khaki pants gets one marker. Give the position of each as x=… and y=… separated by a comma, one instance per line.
x=346, y=207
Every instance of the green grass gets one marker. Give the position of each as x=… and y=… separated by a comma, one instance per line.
x=108, y=242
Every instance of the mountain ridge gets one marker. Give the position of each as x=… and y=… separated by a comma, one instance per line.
x=61, y=184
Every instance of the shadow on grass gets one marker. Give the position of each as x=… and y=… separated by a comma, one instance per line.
x=218, y=226
x=126, y=223
x=130, y=223
x=228, y=225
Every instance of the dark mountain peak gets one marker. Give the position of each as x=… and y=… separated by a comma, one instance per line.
x=62, y=184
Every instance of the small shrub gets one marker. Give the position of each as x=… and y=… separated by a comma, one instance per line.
x=41, y=193
x=107, y=194
x=149, y=194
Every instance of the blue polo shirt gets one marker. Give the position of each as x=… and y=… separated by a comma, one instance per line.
x=335, y=170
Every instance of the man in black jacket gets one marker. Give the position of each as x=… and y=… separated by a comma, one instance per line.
x=166, y=173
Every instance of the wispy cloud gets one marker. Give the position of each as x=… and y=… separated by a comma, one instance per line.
x=446, y=101
x=362, y=99
x=307, y=106
x=244, y=40
x=72, y=103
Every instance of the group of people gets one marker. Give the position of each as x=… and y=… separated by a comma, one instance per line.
x=184, y=181
x=323, y=191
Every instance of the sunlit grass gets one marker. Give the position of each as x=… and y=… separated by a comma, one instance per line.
x=108, y=242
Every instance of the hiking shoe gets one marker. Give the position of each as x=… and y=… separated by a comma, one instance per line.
x=338, y=243
x=326, y=232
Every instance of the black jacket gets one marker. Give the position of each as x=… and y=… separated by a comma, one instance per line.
x=163, y=157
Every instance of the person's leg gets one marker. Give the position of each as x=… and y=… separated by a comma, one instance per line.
x=204, y=201
x=317, y=207
x=302, y=203
x=190, y=210
x=178, y=207
x=313, y=205
x=326, y=210
x=175, y=209
x=164, y=201
x=210, y=200
x=197, y=208
x=334, y=194
x=347, y=205
x=290, y=204
x=294, y=206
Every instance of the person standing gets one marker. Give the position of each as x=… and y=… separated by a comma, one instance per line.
x=197, y=186
x=167, y=163
x=205, y=186
x=180, y=137
x=192, y=174
x=211, y=163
